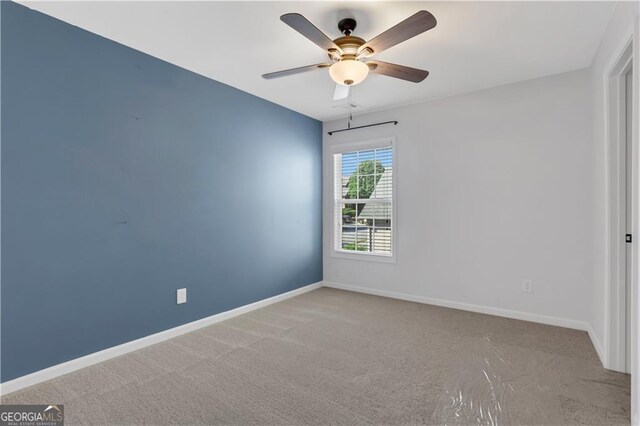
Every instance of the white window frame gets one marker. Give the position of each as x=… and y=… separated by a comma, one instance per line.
x=363, y=146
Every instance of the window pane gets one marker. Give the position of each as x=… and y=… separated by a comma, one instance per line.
x=348, y=214
x=366, y=156
x=366, y=185
x=383, y=159
x=384, y=185
x=375, y=214
x=383, y=215
x=349, y=163
x=364, y=239
x=382, y=240
x=345, y=187
x=365, y=214
x=348, y=236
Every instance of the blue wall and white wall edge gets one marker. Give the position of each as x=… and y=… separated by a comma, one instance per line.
x=125, y=178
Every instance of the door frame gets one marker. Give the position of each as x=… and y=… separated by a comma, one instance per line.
x=616, y=133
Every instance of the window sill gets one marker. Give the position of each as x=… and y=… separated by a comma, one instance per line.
x=363, y=256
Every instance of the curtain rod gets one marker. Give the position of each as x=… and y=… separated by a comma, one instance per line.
x=362, y=127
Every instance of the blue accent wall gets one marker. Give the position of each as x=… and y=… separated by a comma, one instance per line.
x=125, y=178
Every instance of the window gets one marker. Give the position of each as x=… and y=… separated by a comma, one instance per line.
x=363, y=199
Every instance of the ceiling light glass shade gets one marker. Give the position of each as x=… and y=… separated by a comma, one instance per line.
x=348, y=72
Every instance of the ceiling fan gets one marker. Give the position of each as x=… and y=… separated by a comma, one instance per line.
x=349, y=55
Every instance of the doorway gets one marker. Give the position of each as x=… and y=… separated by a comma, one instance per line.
x=628, y=119
x=622, y=211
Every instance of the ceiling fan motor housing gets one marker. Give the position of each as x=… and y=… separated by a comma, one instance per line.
x=349, y=46
x=346, y=26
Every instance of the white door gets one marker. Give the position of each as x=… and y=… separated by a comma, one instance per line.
x=629, y=213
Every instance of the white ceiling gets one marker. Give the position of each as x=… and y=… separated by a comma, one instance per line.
x=474, y=46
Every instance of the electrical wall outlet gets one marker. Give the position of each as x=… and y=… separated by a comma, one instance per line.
x=181, y=296
x=527, y=286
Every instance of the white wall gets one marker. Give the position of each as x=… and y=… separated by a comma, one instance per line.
x=619, y=30
x=493, y=186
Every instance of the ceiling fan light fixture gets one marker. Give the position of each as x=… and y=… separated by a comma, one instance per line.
x=348, y=72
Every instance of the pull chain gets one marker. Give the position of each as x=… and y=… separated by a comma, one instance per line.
x=349, y=109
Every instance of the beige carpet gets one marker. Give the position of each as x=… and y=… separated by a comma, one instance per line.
x=336, y=357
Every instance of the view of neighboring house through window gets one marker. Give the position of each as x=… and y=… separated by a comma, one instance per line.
x=364, y=200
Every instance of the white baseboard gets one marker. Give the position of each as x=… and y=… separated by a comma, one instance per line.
x=543, y=319
x=96, y=357
x=597, y=345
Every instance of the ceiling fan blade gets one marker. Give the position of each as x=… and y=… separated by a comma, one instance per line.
x=414, y=75
x=341, y=91
x=310, y=31
x=410, y=27
x=292, y=71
